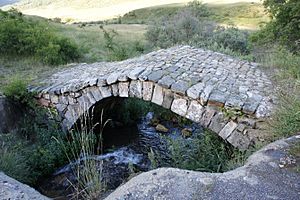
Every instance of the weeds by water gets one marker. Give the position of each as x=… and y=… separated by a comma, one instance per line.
x=207, y=152
x=81, y=146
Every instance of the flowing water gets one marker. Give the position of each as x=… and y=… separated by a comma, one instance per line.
x=126, y=150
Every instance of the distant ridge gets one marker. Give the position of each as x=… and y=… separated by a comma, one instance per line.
x=93, y=10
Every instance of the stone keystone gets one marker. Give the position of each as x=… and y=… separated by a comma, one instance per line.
x=194, y=91
x=123, y=89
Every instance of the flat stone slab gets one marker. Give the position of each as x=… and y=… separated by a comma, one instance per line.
x=268, y=174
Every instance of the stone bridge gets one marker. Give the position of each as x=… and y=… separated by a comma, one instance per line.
x=226, y=95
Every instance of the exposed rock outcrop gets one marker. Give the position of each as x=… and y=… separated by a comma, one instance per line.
x=11, y=189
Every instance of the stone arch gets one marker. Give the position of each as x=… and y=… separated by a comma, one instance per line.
x=201, y=85
x=72, y=105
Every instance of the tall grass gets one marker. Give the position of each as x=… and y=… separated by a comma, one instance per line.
x=278, y=57
x=285, y=68
x=81, y=146
x=286, y=120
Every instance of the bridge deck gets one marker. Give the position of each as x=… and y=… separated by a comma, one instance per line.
x=193, y=83
x=204, y=75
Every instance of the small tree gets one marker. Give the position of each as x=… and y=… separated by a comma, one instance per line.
x=284, y=26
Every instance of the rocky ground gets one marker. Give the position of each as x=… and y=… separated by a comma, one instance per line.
x=11, y=189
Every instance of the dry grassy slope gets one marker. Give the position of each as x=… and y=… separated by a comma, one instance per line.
x=94, y=10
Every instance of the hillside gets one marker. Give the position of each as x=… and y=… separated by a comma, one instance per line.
x=93, y=10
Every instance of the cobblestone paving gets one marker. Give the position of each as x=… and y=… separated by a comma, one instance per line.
x=201, y=85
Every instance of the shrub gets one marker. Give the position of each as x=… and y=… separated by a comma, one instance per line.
x=180, y=29
x=31, y=152
x=20, y=35
x=206, y=153
x=117, y=51
x=17, y=90
x=232, y=38
x=50, y=54
x=284, y=26
x=198, y=9
x=190, y=27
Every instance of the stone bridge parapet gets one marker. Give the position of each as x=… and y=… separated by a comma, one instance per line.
x=226, y=95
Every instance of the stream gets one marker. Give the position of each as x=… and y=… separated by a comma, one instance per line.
x=126, y=152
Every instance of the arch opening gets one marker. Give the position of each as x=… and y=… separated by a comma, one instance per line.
x=135, y=140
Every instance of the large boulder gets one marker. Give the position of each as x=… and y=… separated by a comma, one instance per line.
x=10, y=115
x=270, y=173
x=14, y=190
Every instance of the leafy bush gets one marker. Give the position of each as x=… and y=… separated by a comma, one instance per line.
x=190, y=27
x=32, y=153
x=198, y=9
x=232, y=38
x=182, y=28
x=284, y=27
x=19, y=35
x=17, y=90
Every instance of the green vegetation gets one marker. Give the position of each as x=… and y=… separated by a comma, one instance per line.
x=286, y=120
x=129, y=37
x=31, y=47
x=31, y=153
x=244, y=15
x=90, y=41
x=82, y=143
x=17, y=90
x=21, y=36
x=207, y=152
x=282, y=59
x=118, y=52
x=40, y=146
x=191, y=26
x=284, y=26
